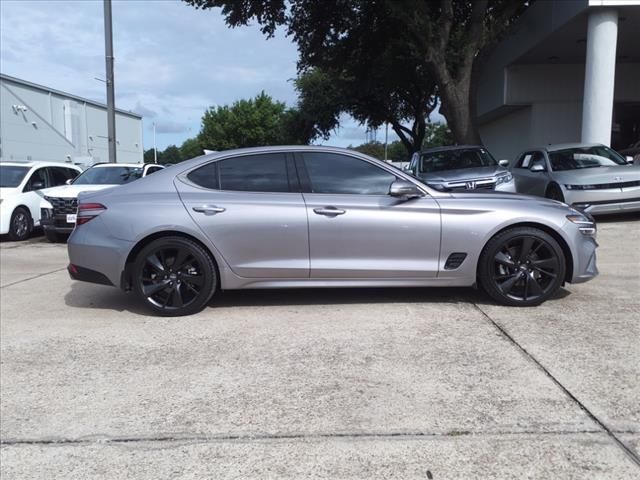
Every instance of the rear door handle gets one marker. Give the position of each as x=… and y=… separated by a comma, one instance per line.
x=209, y=209
x=329, y=211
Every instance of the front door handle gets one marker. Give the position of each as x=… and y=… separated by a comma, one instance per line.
x=209, y=209
x=329, y=211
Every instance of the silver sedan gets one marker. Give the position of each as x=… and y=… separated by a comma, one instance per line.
x=283, y=217
x=590, y=177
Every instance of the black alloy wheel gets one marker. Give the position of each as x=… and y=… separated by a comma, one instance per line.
x=523, y=266
x=20, y=225
x=174, y=276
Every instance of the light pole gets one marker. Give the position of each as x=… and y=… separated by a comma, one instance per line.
x=155, y=148
x=111, y=108
x=386, y=140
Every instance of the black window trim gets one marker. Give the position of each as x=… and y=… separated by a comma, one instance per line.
x=294, y=186
x=305, y=181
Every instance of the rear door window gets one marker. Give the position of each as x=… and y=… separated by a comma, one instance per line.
x=250, y=173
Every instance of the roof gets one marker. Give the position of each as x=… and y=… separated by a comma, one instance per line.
x=35, y=163
x=19, y=81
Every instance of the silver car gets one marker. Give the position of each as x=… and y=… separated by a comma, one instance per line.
x=590, y=177
x=461, y=168
x=284, y=217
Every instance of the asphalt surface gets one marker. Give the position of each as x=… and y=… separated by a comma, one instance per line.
x=367, y=383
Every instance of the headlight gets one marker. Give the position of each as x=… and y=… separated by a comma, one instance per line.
x=584, y=223
x=581, y=187
x=504, y=179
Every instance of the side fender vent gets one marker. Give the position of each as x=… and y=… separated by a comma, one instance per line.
x=454, y=260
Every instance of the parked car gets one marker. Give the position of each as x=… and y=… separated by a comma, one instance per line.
x=632, y=153
x=20, y=185
x=276, y=217
x=59, y=205
x=590, y=177
x=461, y=168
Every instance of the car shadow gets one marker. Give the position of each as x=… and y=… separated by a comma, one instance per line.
x=90, y=296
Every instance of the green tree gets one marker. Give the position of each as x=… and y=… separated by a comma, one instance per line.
x=191, y=148
x=169, y=155
x=248, y=123
x=443, y=40
x=437, y=135
x=373, y=149
x=148, y=156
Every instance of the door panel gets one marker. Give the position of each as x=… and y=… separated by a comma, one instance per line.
x=375, y=237
x=259, y=234
x=528, y=182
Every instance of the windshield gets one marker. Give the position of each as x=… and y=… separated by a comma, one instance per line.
x=108, y=176
x=455, y=159
x=586, y=157
x=11, y=176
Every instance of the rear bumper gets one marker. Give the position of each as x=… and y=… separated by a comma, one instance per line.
x=87, y=275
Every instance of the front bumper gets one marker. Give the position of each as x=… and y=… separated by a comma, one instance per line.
x=56, y=223
x=604, y=201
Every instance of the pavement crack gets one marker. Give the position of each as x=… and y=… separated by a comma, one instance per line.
x=632, y=455
x=230, y=437
x=33, y=278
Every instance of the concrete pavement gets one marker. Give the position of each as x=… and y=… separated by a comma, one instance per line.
x=412, y=383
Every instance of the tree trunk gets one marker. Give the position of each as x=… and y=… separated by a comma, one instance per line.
x=459, y=108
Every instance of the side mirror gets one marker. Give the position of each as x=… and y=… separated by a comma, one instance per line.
x=37, y=185
x=538, y=167
x=69, y=181
x=629, y=159
x=503, y=163
x=405, y=190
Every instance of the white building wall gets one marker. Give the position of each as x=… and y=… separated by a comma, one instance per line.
x=36, y=124
x=506, y=135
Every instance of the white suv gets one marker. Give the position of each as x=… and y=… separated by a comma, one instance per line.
x=20, y=195
x=59, y=205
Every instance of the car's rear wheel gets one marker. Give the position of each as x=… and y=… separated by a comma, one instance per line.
x=21, y=224
x=523, y=266
x=174, y=276
x=555, y=193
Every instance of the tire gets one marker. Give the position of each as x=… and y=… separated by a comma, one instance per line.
x=20, y=225
x=522, y=267
x=554, y=193
x=52, y=236
x=174, y=290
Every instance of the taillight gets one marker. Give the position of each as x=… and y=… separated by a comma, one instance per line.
x=88, y=211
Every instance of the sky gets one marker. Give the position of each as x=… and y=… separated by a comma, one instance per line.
x=172, y=61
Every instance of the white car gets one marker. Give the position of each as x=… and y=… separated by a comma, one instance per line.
x=20, y=193
x=58, y=206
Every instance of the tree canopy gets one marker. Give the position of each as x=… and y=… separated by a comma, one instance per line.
x=391, y=51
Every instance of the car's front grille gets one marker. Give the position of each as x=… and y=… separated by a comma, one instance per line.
x=606, y=186
x=481, y=184
x=63, y=206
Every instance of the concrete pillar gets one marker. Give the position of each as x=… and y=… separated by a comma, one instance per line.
x=599, y=76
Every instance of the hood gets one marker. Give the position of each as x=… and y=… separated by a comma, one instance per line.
x=72, y=191
x=463, y=174
x=598, y=175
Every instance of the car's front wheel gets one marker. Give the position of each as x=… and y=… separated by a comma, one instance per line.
x=522, y=266
x=20, y=225
x=174, y=276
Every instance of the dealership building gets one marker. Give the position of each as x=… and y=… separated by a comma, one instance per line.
x=39, y=123
x=568, y=71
